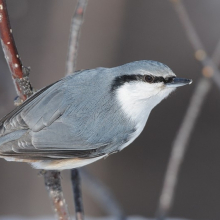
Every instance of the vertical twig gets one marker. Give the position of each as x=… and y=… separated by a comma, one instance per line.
x=180, y=143
x=76, y=25
x=20, y=77
x=75, y=177
x=53, y=186
x=52, y=180
x=209, y=67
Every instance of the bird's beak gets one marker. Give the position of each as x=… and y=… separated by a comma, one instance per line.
x=178, y=82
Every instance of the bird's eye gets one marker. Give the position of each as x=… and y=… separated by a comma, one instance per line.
x=149, y=79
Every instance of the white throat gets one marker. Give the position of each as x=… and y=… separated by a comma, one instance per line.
x=137, y=99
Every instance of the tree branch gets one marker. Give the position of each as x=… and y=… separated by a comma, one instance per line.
x=54, y=189
x=20, y=77
x=76, y=25
x=18, y=72
x=52, y=181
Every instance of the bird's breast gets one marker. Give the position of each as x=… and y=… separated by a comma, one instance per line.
x=137, y=131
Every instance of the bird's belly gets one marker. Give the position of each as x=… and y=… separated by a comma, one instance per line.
x=65, y=163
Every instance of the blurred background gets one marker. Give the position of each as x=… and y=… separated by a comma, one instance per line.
x=116, y=32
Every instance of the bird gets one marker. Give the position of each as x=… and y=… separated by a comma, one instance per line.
x=85, y=116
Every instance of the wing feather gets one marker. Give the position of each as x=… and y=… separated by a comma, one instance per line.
x=49, y=134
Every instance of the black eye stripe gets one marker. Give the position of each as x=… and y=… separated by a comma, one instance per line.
x=120, y=80
x=158, y=79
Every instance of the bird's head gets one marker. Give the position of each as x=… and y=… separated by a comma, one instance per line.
x=139, y=86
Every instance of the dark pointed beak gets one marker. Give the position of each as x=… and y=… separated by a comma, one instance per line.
x=176, y=82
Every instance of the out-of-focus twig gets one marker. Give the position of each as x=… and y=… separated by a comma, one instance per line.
x=209, y=70
x=75, y=177
x=18, y=71
x=20, y=76
x=179, y=147
x=53, y=186
x=103, y=195
x=76, y=25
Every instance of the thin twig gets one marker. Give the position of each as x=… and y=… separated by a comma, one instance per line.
x=18, y=72
x=75, y=177
x=53, y=186
x=76, y=25
x=179, y=147
x=183, y=136
x=210, y=69
x=103, y=195
x=20, y=76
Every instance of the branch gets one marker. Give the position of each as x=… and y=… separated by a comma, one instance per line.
x=76, y=25
x=54, y=189
x=20, y=77
x=52, y=181
x=18, y=72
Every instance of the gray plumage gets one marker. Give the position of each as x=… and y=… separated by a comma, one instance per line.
x=76, y=117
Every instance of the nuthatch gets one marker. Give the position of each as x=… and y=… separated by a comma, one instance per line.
x=85, y=116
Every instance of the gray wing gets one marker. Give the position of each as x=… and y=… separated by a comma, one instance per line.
x=36, y=128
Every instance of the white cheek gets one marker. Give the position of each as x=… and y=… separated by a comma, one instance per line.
x=137, y=99
x=140, y=90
